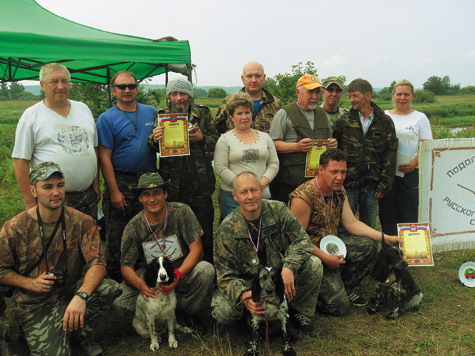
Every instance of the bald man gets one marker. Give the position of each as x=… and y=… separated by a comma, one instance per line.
x=265, y=104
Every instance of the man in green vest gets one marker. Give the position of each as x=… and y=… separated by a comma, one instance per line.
x=293, y=129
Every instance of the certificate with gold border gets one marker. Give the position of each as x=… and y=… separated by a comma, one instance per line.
x=416, y=244
x=176, y=139
x=313, y=157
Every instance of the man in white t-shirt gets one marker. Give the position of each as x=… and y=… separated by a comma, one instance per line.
x=62, y=131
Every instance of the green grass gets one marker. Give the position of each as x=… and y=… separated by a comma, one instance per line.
x=444, y=325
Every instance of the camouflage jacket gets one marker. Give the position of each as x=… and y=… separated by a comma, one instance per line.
x=181, y=222
x=173, y=167
x=21, y=248
x=236, y=262
x=260, y=121
x=371, y=158
x=318, y=227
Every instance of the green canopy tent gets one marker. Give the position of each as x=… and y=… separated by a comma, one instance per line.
x=31, y=36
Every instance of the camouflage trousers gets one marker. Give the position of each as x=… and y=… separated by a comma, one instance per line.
x=117, y=219
x=337, y=283
x=85, y=202
x=193, y=294
x=44, y=331
x=307, y=282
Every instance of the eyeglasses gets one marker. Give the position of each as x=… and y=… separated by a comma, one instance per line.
x=123, y=86
x=331, y=90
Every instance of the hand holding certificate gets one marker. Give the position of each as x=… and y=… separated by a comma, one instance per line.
x=176, y=140
x=416, y=244
x=313, y=157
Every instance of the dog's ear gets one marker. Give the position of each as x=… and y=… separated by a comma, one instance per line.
x=256, y=286
x=151, y=273
x=168, y=265
x=397, y=260
x=279, y=285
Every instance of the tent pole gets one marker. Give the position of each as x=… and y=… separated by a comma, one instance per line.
x=109, y=86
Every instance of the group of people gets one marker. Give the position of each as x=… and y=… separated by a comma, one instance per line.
x=271, y=213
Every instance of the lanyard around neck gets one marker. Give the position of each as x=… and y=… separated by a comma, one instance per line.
x=163, y=230
x=256, y=248
x=328, y=212
x=135, y=124
x=42, y=234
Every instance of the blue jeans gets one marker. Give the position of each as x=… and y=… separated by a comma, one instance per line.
x=228, y=204
x=362, y=201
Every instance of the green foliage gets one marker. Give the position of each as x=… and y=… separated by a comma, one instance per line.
x=151, y=96
x=200, y=92
x=4, y=92
x=217, y=93
x=15, y=89
x=468, y=90
x=283, y=85
x=441, y=86
x=95, y=96
x=424, y=96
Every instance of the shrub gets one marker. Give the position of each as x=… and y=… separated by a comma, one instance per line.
x=424, y=96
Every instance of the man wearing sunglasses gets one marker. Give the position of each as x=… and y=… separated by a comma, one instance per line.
x=332, y=93
x=123, y=132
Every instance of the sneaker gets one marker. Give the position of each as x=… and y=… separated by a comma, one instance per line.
x=357, y=300
x=302, y=322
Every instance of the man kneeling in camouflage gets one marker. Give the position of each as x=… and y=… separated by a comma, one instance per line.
x=43, y=252
x=263, y=233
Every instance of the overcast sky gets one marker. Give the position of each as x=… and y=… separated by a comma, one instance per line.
x=378, y=40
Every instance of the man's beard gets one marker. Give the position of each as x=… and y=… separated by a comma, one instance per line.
x=174, y=109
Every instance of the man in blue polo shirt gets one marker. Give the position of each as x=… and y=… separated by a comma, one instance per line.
x=123, y=132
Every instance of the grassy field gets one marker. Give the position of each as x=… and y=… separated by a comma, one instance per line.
x=444, y=325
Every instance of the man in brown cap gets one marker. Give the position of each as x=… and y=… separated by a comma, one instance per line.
x=43, y=254
x=332, y=94
x=164, y=229
x=293, y=129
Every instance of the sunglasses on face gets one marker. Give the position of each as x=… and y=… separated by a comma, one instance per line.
x=123, y=86
x=331, y=90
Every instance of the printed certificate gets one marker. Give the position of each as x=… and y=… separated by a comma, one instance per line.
x=176, y=139
x=416, y=244
x=313, y=157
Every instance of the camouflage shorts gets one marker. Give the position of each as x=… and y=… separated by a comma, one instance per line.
x=336, y=283
x=44, y=331
x=307, y=283
x=85, y=202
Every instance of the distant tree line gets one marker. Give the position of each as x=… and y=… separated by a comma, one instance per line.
x=16, y=91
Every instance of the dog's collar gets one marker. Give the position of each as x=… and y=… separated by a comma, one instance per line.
x=391, y=279
x=271, y=303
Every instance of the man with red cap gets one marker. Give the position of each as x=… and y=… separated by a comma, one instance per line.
x=293, y=129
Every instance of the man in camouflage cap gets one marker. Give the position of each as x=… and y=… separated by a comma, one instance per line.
x=293, y=130
x=368, y=138
x=171, y=230
x=192, y=179
x=263, y=233
x=52, y=301
x=321, y=205
x=332, y=93
x=265, y=104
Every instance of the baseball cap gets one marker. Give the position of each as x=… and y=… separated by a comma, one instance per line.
x=44, y=171
x=149, y=180
x=309, y=81
x=332, y=80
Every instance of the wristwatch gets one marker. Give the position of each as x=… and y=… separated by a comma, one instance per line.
x=82, y=295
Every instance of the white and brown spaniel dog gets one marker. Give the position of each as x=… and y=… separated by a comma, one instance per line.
x=161, y=308
x=268, y=288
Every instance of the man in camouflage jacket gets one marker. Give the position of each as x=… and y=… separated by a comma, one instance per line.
x=368, y=138
x=192, y=179
x=47, y=306
x=280, y=242
x=253, y=79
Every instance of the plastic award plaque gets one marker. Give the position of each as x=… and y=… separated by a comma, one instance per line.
x=333, y=245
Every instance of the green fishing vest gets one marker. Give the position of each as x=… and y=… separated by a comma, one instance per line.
x=292, y=165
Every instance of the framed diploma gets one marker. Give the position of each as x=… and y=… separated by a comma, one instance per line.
x=176, y=139
x=416, y=244
x=313, y=157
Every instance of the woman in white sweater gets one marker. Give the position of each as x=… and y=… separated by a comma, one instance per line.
x=243, y=149
x=402, y=203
